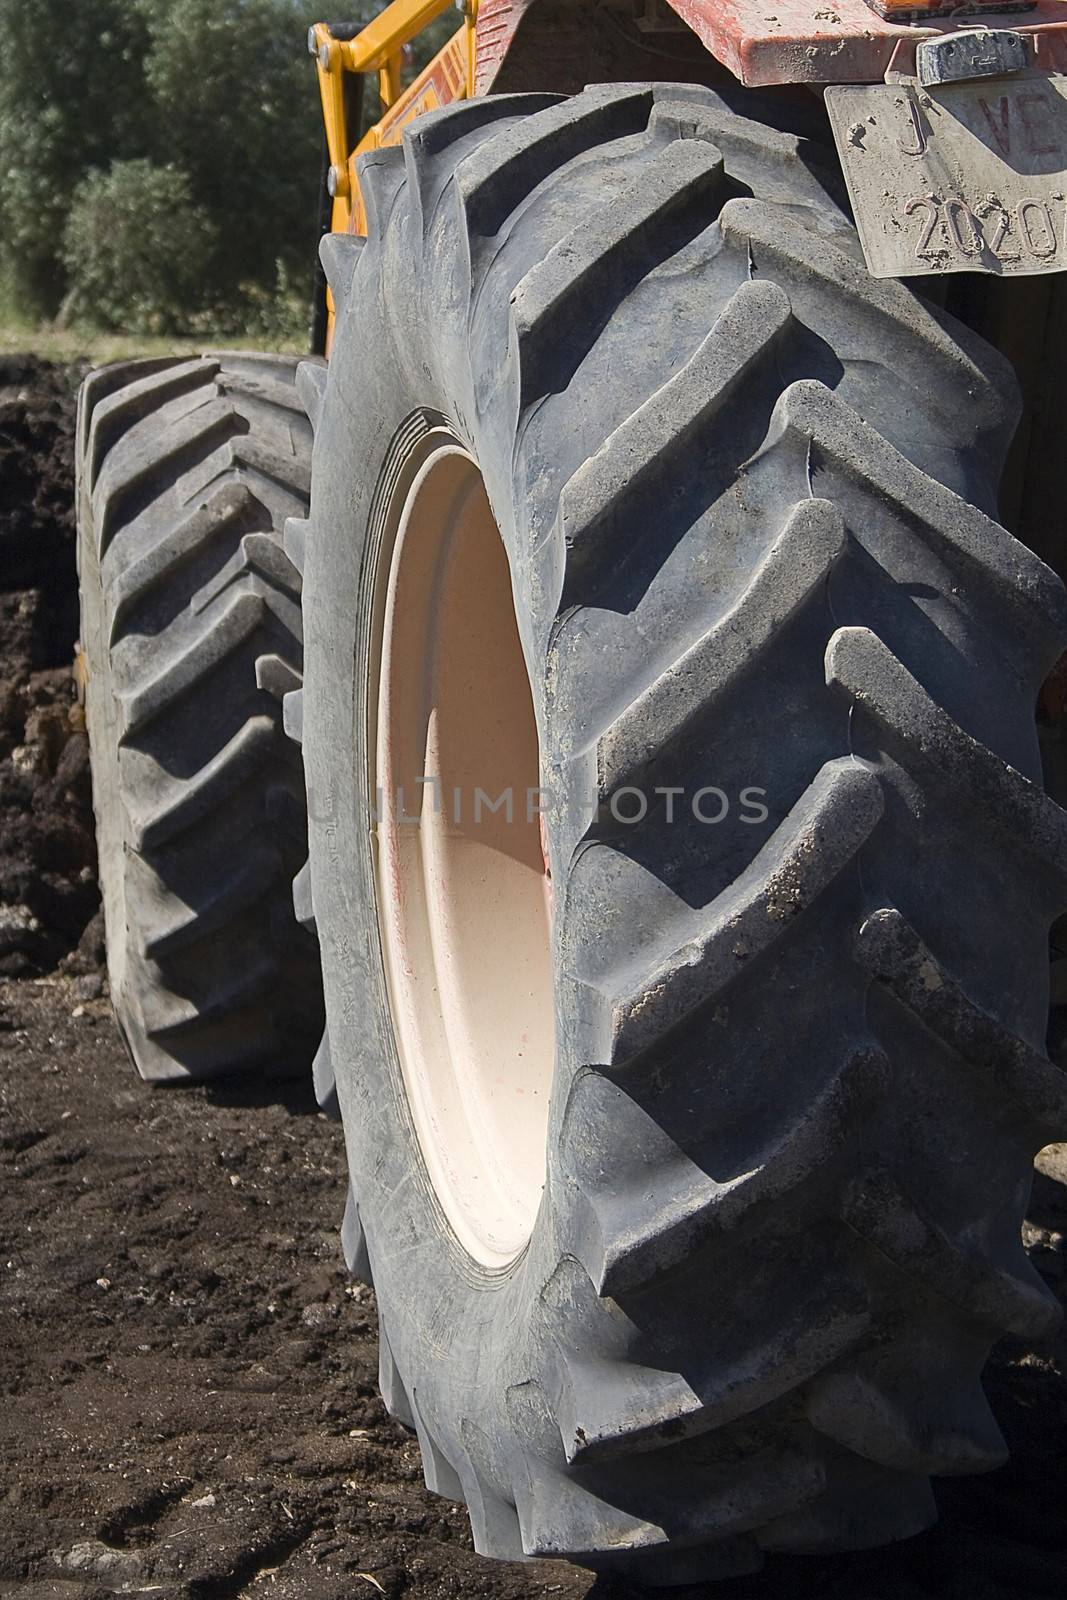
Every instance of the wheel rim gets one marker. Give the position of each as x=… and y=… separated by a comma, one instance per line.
x=464, y=894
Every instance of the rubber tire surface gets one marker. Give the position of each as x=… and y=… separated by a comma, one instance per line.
x=191, y=625
x=747, y=496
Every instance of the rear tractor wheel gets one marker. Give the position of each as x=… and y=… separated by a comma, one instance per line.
x=677, y=850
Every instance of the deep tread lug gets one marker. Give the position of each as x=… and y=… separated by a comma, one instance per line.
x=984, y=553
x=249, y=885
x=294, y=541
x=797, y=566
x=276, y=676
x=817, y=840
x=257, y=553
x=570, y=287
x=391, y=1383
x=215, y=783
x=434, y=132
x=311, y=379
x=339, y=254
x=861, y=667
x=353, y=1241
x=494, y=179
x=303, y=903
x=1033, y=1090
x=136, y=398
x=638, y=458
x=558, y=1518
x=293, y=716
x=440, y=1476
x=322, y=1072
x=964, y=1437
x=229, y=505
x=238, y=620
x=656, y=1209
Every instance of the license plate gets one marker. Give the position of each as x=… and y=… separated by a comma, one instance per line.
x=967, y=177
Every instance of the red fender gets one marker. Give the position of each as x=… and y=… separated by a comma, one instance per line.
x=529, y=43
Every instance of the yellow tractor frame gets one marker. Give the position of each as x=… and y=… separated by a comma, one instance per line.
x=379, y=49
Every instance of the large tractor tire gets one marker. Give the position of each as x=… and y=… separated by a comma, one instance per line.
x=691, y=1120
x=191, y=631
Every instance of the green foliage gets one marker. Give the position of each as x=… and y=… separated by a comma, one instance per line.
x=134, y=247
x=206, y=110
x=69, y=86
x=274, y=317
x=160, y=159
x=231, y=83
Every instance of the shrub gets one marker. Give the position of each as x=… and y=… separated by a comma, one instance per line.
x=234, y=94
x=70, y=100
x=137, y=249
x=278, y=316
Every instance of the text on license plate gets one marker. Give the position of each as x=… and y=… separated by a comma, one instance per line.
x=967, y=177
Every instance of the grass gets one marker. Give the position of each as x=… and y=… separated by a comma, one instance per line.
x=70, y=344
x=74, y=342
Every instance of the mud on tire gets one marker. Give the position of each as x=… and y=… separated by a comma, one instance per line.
x=192, y=633
x=746, y=494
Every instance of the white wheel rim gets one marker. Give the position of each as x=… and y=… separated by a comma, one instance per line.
x=464, y=895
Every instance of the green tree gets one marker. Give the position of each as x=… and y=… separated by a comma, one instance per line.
x=221, y=89
x=98, y=98
x=133, y=247
x=234, y=90
x=71, y=97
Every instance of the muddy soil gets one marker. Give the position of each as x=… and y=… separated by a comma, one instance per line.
x=48, y=893
x=189, y=1402
x=191, y=1406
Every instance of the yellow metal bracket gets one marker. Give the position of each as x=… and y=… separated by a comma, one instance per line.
x=379, y=49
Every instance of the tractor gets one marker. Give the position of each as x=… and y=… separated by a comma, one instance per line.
x=588, y=709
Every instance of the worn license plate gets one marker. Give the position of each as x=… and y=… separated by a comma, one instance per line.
x=967, y=177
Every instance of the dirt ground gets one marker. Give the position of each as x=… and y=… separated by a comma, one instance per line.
x=189, y=1403
x=48, y=895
